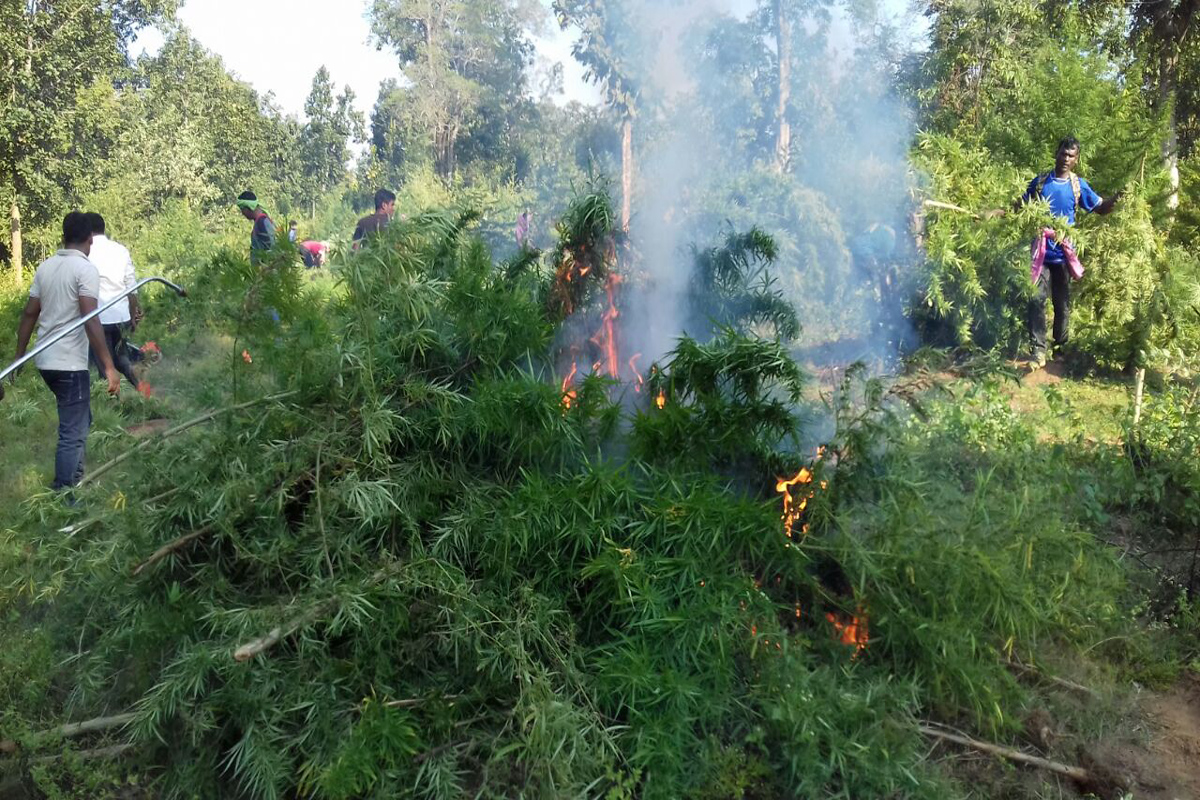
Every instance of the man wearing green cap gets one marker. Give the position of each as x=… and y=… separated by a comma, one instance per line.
x=262, y=236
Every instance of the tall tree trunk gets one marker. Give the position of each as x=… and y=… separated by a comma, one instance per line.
x=15, y=244
x=783, y=47
x=626, y=172
x=1168, y=82
x=445, y=157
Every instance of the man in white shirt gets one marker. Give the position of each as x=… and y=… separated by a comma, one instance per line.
x=115, y=266
x=66, y=288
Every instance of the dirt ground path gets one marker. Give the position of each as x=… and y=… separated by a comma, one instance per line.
x=1170, y=766
x=1165, y=765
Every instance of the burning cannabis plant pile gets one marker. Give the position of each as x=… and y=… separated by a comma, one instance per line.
x=406, y=559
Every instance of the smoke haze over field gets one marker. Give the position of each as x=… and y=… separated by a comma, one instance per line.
x=704, y=148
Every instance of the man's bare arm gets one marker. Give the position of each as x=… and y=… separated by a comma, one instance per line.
x=29, y=318
x=1110, y=203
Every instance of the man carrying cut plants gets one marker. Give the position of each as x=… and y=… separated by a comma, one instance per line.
x=65, y=289
x=1054, y=261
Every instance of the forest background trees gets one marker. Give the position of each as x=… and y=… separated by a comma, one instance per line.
x=819, y=120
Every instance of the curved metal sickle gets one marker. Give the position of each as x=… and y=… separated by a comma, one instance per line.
x=53, y=340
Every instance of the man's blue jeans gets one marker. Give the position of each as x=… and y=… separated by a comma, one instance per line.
x=73, y=392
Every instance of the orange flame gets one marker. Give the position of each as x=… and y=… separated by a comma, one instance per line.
x=638, y=381
x=792, y=509
x=854, y=632
x=246, y=357
x=569, y=394
x=661, y=400
x=606, y=337
x=146, y=389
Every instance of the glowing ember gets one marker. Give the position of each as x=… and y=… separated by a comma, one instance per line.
x=793, y=508
x=854, y=632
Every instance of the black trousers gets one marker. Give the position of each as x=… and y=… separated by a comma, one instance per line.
x=1055, y=285
x=114, y=337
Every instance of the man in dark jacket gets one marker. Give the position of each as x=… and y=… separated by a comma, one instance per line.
x=385, y=207
x=262, y=235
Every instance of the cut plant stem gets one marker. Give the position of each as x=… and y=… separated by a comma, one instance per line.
x=200, y=420
x=72, y=729
x=277, y=634
x=1139, y=395
x=172, y=547
x=413, y=702
x=949, y=207
x=1077, y=774
x=1025, y=669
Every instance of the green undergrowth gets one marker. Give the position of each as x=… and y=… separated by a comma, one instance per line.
x=402, y=566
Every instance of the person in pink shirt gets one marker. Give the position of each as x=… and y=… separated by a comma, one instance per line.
x=314, y=253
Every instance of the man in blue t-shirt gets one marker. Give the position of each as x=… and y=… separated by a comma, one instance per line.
x=1066, y=192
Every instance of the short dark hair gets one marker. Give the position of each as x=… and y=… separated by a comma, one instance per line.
x=293, y=224
x=382, y=198
x=247, y=196
x=77, y=228
x=1068, y=143
x=96, y=221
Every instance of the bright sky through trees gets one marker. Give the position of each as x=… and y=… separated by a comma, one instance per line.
x=278, y=45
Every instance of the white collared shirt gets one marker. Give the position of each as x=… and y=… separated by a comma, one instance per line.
x=115, y=266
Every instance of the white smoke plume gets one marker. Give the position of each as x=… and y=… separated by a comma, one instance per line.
x=841, y=214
